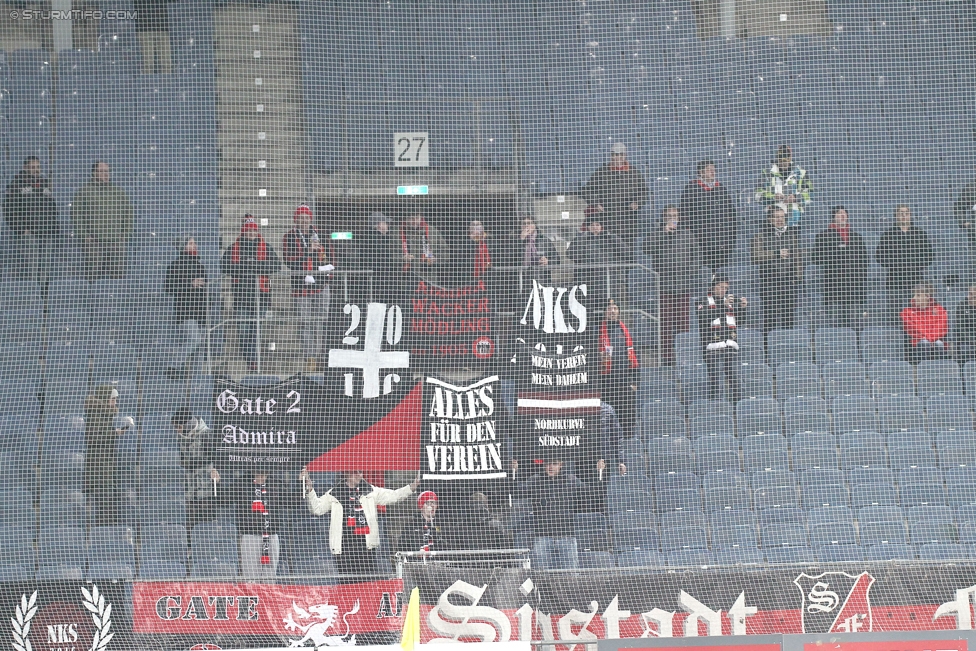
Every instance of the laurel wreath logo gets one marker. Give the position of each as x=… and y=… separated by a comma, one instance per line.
x=101, y=612
x=21, y=622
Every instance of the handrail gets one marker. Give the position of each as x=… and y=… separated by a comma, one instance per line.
x=520, y=555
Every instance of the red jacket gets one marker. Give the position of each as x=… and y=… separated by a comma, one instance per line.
x=932, y=323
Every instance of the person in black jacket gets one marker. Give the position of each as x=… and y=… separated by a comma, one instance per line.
x=964, y=210
x=598, y=251
x=198, y=448
x=905, y=252
x=186, y=282
x=841, y=252
x=380, y=252
x=259, y=517
x=555, y=496
x=615, y=195
x=718, y=316
x=529, y=248
x=710, y=214
x=964, y=331
x=31, y=214
x=621, y=368
x=776, y=251
x=677, y=259
x=249, y=262
x=152, y=28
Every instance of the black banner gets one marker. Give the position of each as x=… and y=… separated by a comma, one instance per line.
x=461, y=438
x=451, y=324
x=267, y=425
x=66, y=615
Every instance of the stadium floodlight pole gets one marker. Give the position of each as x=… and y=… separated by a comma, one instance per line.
x=727, y=18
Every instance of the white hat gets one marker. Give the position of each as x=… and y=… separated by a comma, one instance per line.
x=618, y=148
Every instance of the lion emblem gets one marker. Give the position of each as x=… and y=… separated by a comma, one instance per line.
x=323, y=617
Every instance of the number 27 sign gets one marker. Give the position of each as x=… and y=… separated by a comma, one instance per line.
x=410, y=149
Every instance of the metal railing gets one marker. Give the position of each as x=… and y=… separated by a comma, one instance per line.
x=466, y=557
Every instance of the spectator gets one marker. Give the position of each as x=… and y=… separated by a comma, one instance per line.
x=103, y=220
x=381, y=253
x=615, y=195
x=965, y=212
x=776, y=251
x=531, y=249
x=101, y=435
x=258, y=522
x=710, y=214
x=32, y=217
x=718, y=317
x=619, y=380
x=354, y=532
x=249, y=262
x=423, y=246
x=198, y=448
x=905, y=253
x=926, y=324
x=785, y=186
x=475, y=528
x=554, y=496
x=598, y=251
x=475, y=256
x=677, y=259
x=186, y=282
x=305, y=255
x=841, y=252
x=964, y=341
x=152, y=28
x=422, y=533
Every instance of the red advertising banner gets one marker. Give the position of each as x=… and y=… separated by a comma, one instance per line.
x=323, y=614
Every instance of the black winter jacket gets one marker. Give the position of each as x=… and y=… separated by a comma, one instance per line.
x=189, y=302
x=29, y=205
x=677, y=258
x=904, y=255
x=845, y=266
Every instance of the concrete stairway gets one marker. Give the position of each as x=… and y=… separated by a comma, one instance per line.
x=262, y=141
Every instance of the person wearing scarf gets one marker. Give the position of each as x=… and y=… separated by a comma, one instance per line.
x=258, y=521
x=708, y=211
x=423, y=533
x=719, y=314
x=249, y=262
x=785, y=185
x=186, y=282
x=535, y=253
x=475, y=257
x=615, y=194
x=841, y=253
x=776, y=251
x=926, y=324
x=423, y=247
x=305, y=254
x=620, y=370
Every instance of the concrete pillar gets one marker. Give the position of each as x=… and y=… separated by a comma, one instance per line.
x=727, y=18
x=61, y=28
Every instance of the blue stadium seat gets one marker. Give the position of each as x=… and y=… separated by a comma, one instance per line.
x=889, y=552
x=862, y=449
x=63, y=508
x=797, y=379
x=892, y=379
x=758, y=415
x=808, y=422
x=682, y=499
x=754, y=380
x=737, y=556
x=687, y=558
x=835, y=345
x=839, y=553
x=683, y=538
x=162, y=554
x=826, y=495
x=635, y=539
x=787, y=346
x=62, y=554
x=868, y=494
x=111, y=554
x=704, y=426
x=949, y=412
x=790, y=555
x=942, y=552
x=717, y=453
x=960, y=484
x=671, y=454
x=764, y=452
x=814, y=450
x=939, y=378
x=657, y=384
x=882, y=344
x=19, y=563
x=642, y=558
x=957, y=449
x=214, y=550
x=882, y=532
x=845, y=379
x=705, y=407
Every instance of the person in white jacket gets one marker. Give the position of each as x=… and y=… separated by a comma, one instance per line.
x=354, y=533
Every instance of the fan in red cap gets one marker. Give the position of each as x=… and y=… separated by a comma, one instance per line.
x=249, y=262
x=309, y=262
x=423, y=533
